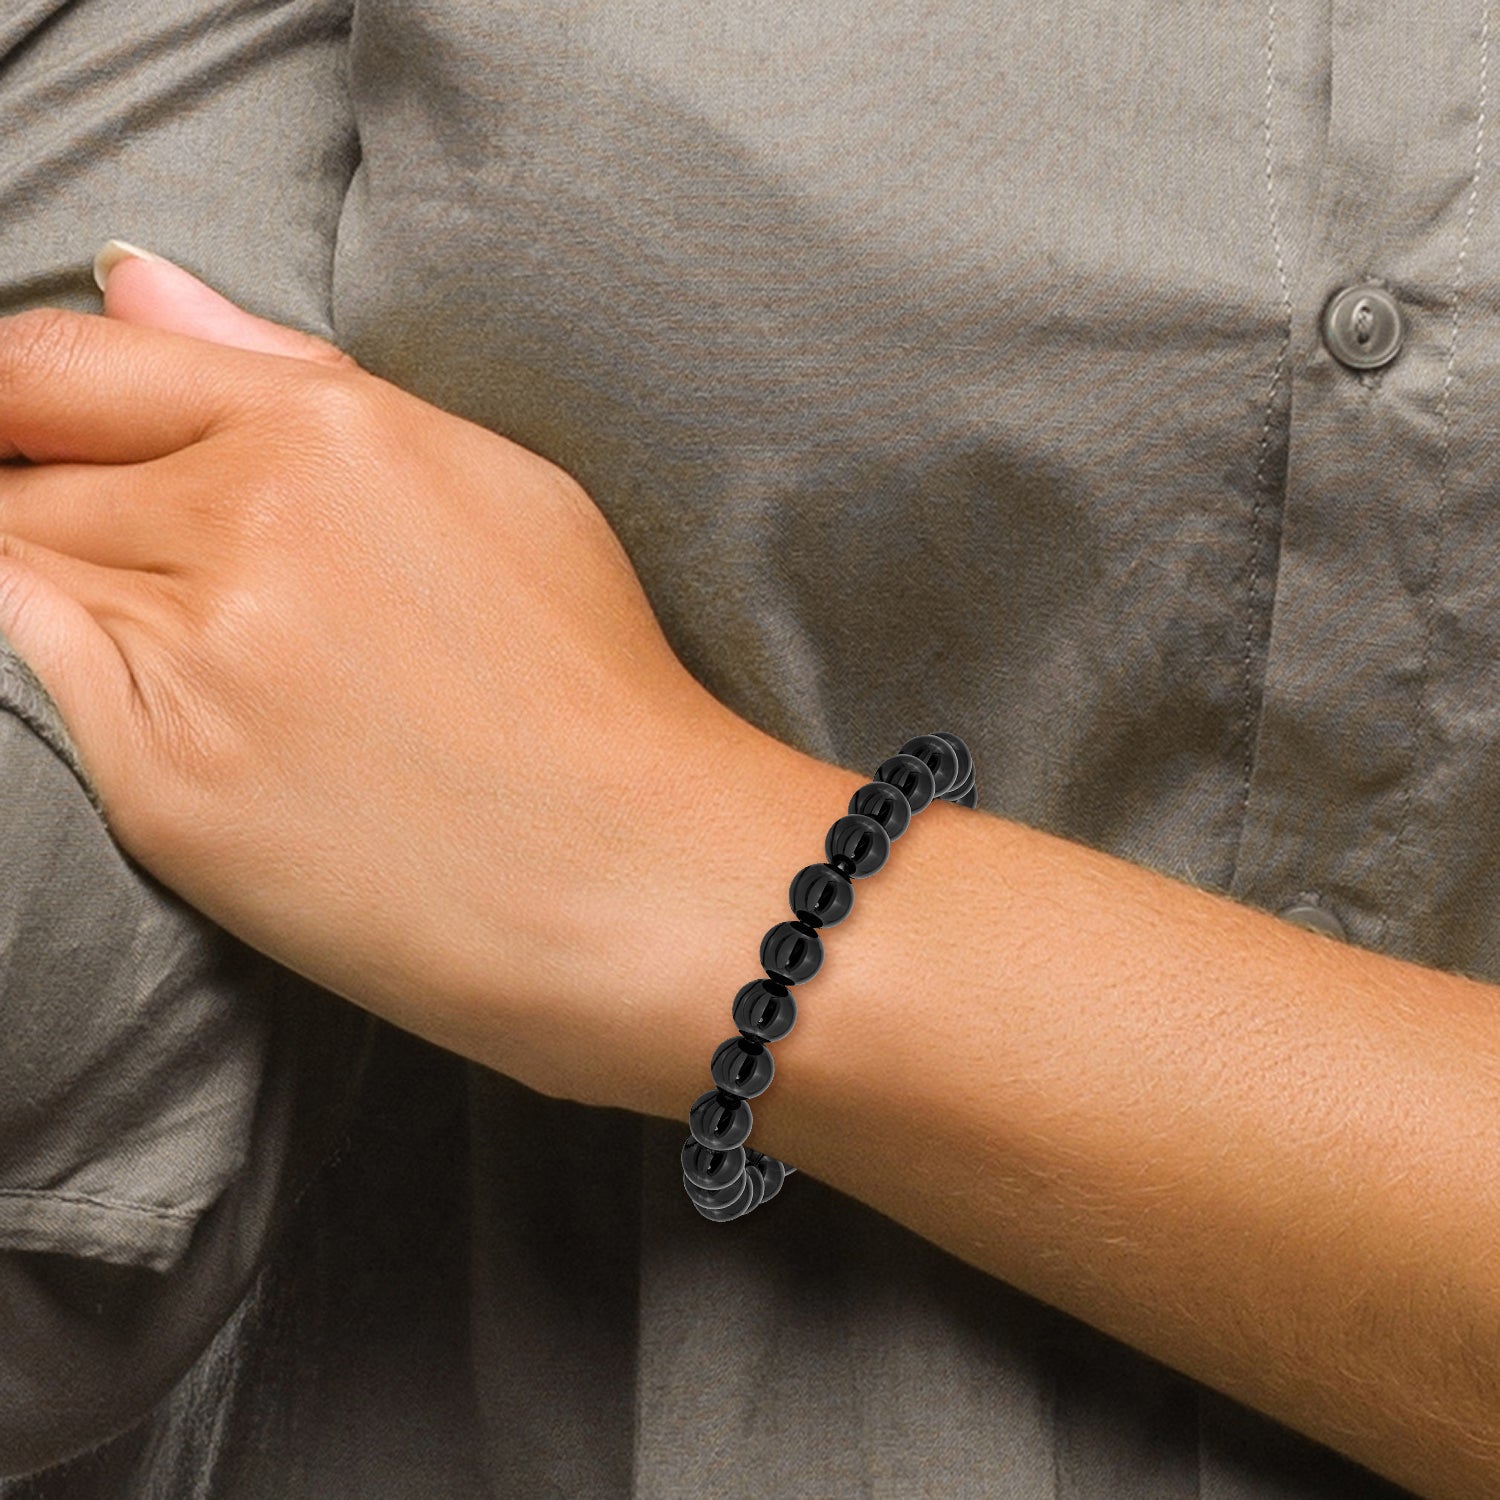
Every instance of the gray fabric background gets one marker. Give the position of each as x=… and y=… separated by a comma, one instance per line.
x=938, y=364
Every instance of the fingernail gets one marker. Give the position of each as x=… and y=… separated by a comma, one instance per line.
x=113, y=252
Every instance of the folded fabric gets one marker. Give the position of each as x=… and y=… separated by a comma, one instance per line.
x=130, y=1057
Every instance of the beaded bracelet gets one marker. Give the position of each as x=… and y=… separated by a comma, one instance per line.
x=723, y=1178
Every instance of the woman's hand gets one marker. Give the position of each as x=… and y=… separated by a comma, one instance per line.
x=376, y=689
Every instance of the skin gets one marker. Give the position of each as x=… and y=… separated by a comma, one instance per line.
x=380, y=692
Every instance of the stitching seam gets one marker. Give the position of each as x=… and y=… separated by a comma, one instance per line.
x=1265, y=431
x=1402, y=859
x=41, y=1195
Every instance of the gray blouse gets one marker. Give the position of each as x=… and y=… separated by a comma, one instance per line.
x=939, y=363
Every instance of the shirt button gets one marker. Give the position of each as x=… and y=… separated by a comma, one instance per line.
x=1313, y=918
x=1363, y=327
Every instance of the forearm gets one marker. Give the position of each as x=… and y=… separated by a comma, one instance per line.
x=1269, y=1159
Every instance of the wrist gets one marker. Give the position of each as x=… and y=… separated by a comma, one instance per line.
x=758, y=815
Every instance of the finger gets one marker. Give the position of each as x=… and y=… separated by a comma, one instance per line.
x=78, y=386
x=96, y=513
x=155, y=293
x=99, y=591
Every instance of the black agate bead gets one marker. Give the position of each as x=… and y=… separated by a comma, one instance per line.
x=720, y=1121
x=772, y=1170
x=940, y=757
x=765, y=1010
x=885, y=803
x=965, y=778
x=820, y=895
x=911, y=777
x=716, y=1197
x=705, y=1167
x=791, y=952
x=857, y=846
x=748, y=1195
x=742, y=1067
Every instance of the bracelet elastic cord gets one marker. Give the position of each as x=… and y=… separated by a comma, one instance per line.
x=723, y=1178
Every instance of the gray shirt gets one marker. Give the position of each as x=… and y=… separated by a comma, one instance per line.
x=939, y=365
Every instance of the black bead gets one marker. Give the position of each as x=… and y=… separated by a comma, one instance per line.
x=729, y=1210
x=757, y=1190
x=969, y=799
x=707, y=1168
x=791, y=952
x=962, y=789
x=772, y=1170
x=820, y=895
x=742, y=1067
x=765, y=1010
x=886, y=804
x=910, y=777
x=715, y=1197
x=940, y=758
x=857, y=845
x=720, y=1121
x=965, y=764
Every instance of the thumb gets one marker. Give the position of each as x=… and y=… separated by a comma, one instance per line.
x=140, y=287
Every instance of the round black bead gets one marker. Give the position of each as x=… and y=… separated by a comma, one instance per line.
x=715, y=1197
x=765, y=1010
x=969, y=799
x=820, y=895
x=886, y=804
x=965, y=764
x=857, y=845
x=772, y=1170
x=940, y=758
x=720, y=1121
x=707, y=1168
x=909, y=776
x=965, y=786
x=758, y=1190
x=733, y=1210
x=791, y=952
x=742, y=1067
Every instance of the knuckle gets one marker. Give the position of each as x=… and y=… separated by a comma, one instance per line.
x=337, y=400
x=13, y=549
x=331, y=354
x=39, y=341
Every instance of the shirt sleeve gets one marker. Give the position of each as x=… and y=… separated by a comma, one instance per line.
x=131, y=1050
x=164, y=1090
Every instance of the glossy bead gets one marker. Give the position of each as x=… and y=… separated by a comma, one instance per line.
x=716, y=1197
x=965, y=762
x=772, y=1170
x=742, y=1067
x=820, y=895
x=886, y=804
x=857, y=846
x=969, y=799
x=730, y=1210
x=963, y=787
x=765, y=1010
x=720, y=1121
x=707, y=1168
x=791, y=952
x=910, y=777
x=940, y=758
x=757, y=1190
